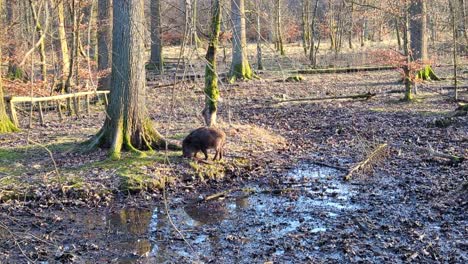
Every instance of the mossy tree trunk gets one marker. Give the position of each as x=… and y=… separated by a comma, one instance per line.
x=156, y=59
x=418, y=25
x=211, y=78
x=104, y=42
x=240, y=67
x=127, y=125
x=5, y=123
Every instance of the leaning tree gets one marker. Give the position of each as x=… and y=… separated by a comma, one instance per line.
x=127, y=124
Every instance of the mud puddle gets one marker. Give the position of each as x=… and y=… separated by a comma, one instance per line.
x=254, y=224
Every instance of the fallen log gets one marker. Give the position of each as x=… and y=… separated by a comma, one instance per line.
x=454, y=160
x=365, y=96
x=375, y=155
x=345, y=70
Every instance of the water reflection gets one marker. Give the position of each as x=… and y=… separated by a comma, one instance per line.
x=246, y=220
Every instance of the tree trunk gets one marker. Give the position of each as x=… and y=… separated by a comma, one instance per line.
x=211, y=78
x=407, y=51
x=40, y=32
x=397, y=30
x=455, y=55
x=62, y=35
x=351, y=27
x=193, y=23
x=14, y=69
x=127, y=124
x=364, y=32
x=331, y=25
x=259, y=39
x=240, y=67
x=418, y=28
x=313, y=48
x=5, y=123
x=279, y=37
x=418, y=25
x=105, y=42
x=74, y=51
x=156, y=41
x=305, y=26
x=463, y=18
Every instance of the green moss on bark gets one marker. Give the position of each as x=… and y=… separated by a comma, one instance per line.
x=427, y=74
x=241, y=71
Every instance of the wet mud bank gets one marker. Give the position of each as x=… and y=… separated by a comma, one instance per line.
x=313, y=216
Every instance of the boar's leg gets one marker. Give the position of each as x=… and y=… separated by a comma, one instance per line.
x=216, y=154
x=206, y=153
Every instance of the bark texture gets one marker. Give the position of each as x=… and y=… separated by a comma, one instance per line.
x=127, y=124
x=156, y=42
x=211, y=78
x=240, y=67
x=418, y=26
x=5, y=123
x=64, y=54
x=104, y=42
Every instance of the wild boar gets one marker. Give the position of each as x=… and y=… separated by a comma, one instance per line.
x=202, y=139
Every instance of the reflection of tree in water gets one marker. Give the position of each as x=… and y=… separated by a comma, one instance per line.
x=207, y=212
x=133, y=224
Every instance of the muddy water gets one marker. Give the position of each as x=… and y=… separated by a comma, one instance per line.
x=253, y=225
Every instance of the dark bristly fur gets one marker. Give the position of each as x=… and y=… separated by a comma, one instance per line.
x=202, y=139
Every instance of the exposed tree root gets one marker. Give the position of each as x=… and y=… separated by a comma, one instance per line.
x=150, y=140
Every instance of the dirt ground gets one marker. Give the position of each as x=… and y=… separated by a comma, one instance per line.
x=285, y=199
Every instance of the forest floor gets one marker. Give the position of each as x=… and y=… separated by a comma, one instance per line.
x=282, y=197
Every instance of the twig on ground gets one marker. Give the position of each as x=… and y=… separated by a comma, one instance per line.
x=371, y=158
